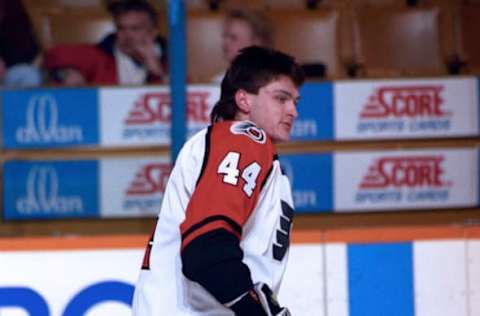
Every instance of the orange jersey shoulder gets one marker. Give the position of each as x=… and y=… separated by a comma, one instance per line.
x=238, y=159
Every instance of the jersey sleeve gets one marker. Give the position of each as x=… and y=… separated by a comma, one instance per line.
x=237, y=163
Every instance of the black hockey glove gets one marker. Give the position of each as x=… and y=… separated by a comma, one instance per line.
x=259, y=301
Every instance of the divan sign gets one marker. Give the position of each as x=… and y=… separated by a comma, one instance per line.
x=50, y=189
x=46, y=118
x=42, y=194
x=42, y=123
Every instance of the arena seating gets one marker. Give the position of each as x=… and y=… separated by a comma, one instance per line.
x=319, y=31
x=204, y=49
x=72, y=26
x=467, y=37
x=387, y=41
x=361, y=38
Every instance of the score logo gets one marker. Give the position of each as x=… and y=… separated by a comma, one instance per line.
x=408, y=179
x=145, y=192
x=150, y=116
x=156, y=108
x=410, y=171
x=409, y=109
x=35, y=304
x=409, y=102
x=152, y=178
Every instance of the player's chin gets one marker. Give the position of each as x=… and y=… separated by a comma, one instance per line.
x=283, y=135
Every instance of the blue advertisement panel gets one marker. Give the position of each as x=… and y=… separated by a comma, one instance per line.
x=315, y=113
x=311, y=177
x=46, y=118
x=50, y=189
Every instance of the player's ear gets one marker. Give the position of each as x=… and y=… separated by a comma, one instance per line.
x=242, y=99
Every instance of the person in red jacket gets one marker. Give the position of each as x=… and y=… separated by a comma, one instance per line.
x=134, y=54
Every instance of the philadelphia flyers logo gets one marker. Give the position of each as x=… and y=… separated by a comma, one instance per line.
x=282, y=242
x=249, y=129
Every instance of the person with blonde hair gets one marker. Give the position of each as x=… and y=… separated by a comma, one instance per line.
x=243, y=28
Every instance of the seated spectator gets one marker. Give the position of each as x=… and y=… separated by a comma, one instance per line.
x=134, y=54
x=243, y=28
x=18, y=47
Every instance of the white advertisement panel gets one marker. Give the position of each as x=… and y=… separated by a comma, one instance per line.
x=141, y=116
x=323, y=279
x=393, y=109
x=133, y=187
x=89, y=283
x=409, y=179
x=94, y=282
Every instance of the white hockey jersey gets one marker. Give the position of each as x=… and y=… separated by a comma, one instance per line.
x=225, y=177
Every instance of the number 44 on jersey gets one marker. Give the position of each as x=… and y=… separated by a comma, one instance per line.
x=229, y=168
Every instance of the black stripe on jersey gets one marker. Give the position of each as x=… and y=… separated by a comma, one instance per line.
x=208, y=136
x=214, y=260
x=275, y=157
x=237, y=228
x=266, y=178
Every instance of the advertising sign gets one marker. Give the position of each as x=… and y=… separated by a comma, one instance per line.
x=50, y=189
x=45, y=118
x=141, y=116
x=96, y=276
x=406, y=108
x=409, y=179
x=121, y=187
x=312, y=189
x=315, y=113
x=90, y=282
x=133, y=187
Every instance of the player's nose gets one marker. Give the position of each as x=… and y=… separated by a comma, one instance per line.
x=292, y=109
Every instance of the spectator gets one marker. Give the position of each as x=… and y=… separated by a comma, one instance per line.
x=243, y=28
x=18, y=47
x=134, y=54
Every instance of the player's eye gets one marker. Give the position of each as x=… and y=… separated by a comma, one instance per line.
x=281, y=99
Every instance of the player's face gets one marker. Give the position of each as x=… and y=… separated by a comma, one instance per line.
x=237, y=34
x=274, y=108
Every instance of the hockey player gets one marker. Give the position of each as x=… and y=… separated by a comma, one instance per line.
x=221, y=242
